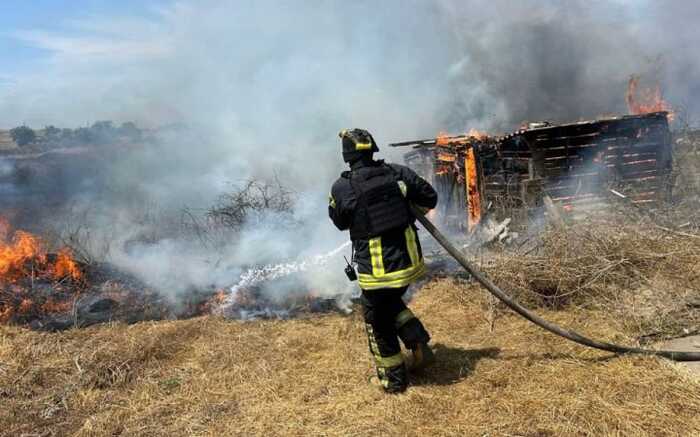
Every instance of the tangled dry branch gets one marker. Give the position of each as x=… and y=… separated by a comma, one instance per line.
x=252, y=202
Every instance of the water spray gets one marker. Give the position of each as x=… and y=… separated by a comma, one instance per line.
x=255, y=276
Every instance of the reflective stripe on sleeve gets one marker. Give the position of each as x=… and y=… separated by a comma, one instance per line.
x=403, y=188
x=412, y=246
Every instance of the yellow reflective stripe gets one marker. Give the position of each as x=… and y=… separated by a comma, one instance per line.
x=392, y=361
x=392, y=284
x=372, y=284
x=379, y=278
x=411, y=245
x=403, y=317
x=372, y=341
x=375, y=253
x=331, y=201
x=381, y=372
x=363, y=146
x=403, y=188
x=409, y=271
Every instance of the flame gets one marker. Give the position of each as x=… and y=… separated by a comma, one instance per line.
x=446, y=157
x=24, y=265
x=214, y=302
x=442, y=139
x=472, y=190
x=22, y=248
x=645, y=100
x=65, y=266
x=479, y=135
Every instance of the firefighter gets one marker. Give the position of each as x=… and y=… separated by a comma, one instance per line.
x=372, y=202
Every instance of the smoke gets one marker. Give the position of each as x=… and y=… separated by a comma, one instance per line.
x=563, y=61
x=260, y=89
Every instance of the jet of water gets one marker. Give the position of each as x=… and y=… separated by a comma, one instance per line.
x=270, y=272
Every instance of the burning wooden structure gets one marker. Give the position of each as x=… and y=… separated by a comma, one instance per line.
x=577, y=165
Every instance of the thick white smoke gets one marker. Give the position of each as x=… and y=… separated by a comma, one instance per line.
x=262, y=88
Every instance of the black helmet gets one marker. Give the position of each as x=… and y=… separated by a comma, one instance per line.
x=357, y=143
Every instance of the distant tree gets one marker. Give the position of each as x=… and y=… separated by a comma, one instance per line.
x=23, y=135
x=66, y=134
x=103, y=132
x=84, y=135
x=52, y=134
x=103, y=126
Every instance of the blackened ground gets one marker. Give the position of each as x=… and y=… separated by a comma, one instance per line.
x=106, y=294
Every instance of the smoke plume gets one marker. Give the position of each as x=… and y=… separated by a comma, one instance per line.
x=259, y=89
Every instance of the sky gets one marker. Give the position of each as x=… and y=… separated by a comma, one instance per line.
x=21, y=16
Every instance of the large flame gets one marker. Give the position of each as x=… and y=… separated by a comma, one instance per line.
x=25, y=263
x=472, y=190
x=645, y=100
x=15, y=254
x=446, y=159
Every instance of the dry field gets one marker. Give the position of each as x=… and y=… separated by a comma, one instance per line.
x=621, y=278
x=496, y=374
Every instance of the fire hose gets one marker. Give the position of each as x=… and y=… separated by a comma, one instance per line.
x=534, y=318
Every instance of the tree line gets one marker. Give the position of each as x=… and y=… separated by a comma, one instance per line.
x=101, y=132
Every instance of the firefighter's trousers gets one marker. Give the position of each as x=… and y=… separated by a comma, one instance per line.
x=387, y=319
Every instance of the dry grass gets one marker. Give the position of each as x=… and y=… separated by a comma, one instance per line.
x=644, y=276
x=209, y=376
x=613, y=279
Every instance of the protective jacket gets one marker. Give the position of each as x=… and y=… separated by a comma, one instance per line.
x=371, y=200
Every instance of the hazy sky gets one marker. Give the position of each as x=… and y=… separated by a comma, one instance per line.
x=484, y=64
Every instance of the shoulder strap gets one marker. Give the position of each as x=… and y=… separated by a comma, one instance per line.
x=393, y=170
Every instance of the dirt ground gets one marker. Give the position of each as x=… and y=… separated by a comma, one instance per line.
x=209, y=376
x=689, y=343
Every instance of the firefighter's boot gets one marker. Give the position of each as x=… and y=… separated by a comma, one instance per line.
x=391, y=380
x=422, y=357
